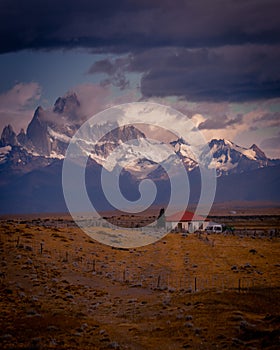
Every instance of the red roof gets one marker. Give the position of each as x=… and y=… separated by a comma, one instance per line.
x=185, y=216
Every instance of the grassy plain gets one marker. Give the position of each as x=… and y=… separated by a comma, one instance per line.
x=59, y=289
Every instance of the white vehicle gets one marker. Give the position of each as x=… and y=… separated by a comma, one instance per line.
x=214, y=229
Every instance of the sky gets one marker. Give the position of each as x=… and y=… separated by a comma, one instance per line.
x=216, y=61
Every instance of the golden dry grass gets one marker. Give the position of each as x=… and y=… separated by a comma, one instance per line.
x=61, y=290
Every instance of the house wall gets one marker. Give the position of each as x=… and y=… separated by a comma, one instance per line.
x=189, y=226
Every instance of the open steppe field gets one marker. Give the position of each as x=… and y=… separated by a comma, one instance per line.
x=59, y=289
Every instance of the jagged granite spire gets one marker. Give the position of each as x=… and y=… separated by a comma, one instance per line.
x=8, y=137
x=68, y=105
x=23, y=139
x=37, y=133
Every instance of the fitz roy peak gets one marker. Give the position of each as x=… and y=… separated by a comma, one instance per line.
x=31, y=162
x=49, y=133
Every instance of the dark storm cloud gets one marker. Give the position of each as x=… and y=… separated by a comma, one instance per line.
x=220, y=123
x=115, y=70
x=111, y=66
x=200, y=50
x=128, y=25
x=228, y=73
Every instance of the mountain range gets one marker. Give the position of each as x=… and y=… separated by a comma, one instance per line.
x=31, y=163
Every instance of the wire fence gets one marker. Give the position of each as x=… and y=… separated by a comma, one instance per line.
x=186, y=280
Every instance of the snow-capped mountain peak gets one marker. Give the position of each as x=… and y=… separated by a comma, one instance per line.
x=259, y=154
x=184, y=151
x=68, y=105
x=50, y=131
x=230, y=158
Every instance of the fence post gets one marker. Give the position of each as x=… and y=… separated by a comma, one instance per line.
x=158, y=281
x=124, y=275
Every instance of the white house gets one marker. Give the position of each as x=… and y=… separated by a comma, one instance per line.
x=186, y=222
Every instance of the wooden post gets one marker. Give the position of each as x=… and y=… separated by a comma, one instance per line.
x=124, y=275
x=195, y=284
x=158, y=281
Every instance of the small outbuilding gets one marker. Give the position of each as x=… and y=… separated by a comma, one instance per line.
x=186, y=221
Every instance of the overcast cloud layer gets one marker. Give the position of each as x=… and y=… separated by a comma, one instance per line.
x=133, y=24
x=231, y=73
x=218, y=60
x=201, y=50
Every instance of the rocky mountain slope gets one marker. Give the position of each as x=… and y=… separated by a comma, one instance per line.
x=31, y=162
